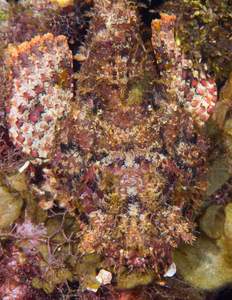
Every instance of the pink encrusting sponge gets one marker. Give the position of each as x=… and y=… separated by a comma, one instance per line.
x=42, y=90
x=195, y=89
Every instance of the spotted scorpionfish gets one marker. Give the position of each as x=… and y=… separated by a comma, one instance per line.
x=127, y=149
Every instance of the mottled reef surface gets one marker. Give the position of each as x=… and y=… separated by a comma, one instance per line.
x=106, y=169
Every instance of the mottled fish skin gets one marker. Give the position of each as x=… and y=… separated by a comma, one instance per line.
x=128, y=157
x=192, y=87
x=42, y=90
x=128, y=153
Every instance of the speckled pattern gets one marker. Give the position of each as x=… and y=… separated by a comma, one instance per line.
x=41, y=73
x=128, y=155
x=192, y=87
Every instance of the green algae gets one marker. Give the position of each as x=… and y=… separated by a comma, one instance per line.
x=207, y=263
x=48, y=282
x=204, y=30
x=129, y=280
x=3, y=15
x=10, y=207
x=219, y=174
x=86, y=271
x=13, y=190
